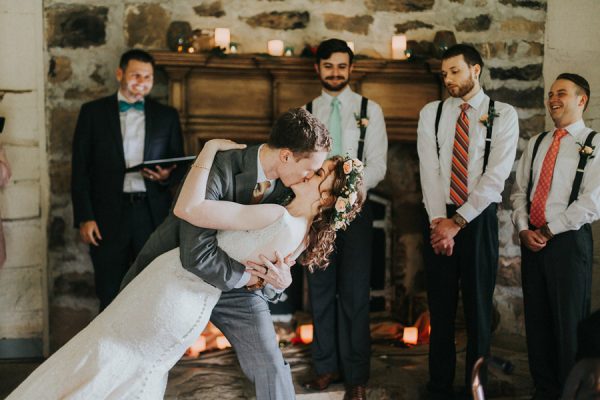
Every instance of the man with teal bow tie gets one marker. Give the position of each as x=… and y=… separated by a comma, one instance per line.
x=115, y=211
x=339, y=295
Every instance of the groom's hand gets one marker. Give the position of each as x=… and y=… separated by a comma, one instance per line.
x=277, y=275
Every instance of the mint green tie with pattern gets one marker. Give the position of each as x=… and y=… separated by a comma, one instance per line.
x=335, y=128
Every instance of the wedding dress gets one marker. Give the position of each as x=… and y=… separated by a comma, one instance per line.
x=127, y=351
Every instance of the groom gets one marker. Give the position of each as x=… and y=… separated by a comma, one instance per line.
x=297, y=146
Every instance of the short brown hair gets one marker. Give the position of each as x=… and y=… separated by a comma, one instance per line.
x=299, y=131
x=583, y=86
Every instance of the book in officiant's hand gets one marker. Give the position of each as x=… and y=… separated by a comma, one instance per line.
x=164, y=163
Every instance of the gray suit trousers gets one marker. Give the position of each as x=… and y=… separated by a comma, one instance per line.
x=245, y=320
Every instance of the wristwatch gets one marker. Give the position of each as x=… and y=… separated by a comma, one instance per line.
x=546, y=232
x=258, y=285
x=459, y=220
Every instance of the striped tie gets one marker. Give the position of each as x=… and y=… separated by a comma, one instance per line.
x=537, y=212
x=459, y=178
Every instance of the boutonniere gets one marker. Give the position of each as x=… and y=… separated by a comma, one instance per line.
x=488, y=119
x=361, y=122
x=586, y=151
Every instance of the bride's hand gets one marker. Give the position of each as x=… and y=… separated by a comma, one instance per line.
x=223, y=145
x=277, y=274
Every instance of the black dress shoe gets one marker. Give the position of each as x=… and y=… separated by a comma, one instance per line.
x=322, y=382
x=356, y=392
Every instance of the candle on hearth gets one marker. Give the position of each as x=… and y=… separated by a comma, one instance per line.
x=399, y=47
x=275, y=47
x=306, y=333
x=411, y=335
x=222, y=38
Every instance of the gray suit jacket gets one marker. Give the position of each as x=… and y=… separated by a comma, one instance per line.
x=232, y=177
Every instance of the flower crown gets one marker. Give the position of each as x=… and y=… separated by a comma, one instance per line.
x=353, y=168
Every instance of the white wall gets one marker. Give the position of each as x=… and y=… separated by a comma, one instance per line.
x=24, y=202
x=573, y=45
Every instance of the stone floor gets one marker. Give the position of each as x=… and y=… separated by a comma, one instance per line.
x=396, y=374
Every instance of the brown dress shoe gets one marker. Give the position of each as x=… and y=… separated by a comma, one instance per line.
x=321, y=382
x=356, y=392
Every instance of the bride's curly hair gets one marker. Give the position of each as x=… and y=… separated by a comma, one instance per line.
x=320, y=241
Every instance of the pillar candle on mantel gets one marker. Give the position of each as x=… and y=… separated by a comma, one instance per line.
x=222, y=38
x=399, y=47
x=275, y=47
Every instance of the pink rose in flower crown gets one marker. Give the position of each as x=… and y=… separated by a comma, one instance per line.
x=347, y=167
x=340, y=205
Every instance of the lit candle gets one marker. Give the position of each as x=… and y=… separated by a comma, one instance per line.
x=398, y=47
x=351, y=45
x=289, y=51
x=275, y=47
x=306, y=333
x=222, y=38
x=233, y=48
x=410, y=335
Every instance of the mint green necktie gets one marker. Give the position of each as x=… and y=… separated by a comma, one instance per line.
x=335, y=128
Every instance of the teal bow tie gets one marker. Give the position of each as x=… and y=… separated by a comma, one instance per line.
x=124, y=106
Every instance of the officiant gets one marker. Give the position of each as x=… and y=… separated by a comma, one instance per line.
x=116, y=211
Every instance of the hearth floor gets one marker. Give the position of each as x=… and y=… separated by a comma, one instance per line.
x=396, y=374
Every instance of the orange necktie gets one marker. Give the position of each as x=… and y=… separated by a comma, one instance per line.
x=537, y=212
x=259, y=192
x=459, y=178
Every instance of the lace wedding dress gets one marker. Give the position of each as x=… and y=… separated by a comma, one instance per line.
x=127, y=351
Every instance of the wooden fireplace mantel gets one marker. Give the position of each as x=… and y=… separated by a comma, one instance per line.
x=239, y=96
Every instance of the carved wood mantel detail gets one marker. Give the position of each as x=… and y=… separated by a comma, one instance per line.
x=238, y=97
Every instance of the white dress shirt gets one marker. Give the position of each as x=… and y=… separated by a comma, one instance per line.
x=133, y=132
x=376, y=143
x=561, y=216
x=260, y=177
x=484, y=189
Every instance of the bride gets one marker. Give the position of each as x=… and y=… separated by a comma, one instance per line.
x=127, y=351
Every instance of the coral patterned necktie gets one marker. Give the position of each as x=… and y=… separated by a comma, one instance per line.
x=459, y=178
x=537, y=212
x=259, y=192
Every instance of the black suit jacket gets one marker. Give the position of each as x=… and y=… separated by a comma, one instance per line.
x=232, y=177
x=98, y=163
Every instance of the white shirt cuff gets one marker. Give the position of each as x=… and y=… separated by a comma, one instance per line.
x=243, y=280
x=467, y=211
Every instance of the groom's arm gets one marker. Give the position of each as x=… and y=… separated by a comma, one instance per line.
x=199, y=250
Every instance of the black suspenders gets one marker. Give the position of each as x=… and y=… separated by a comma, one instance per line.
x=363, y=129
x=578, y=175
x=580, y=168
x=488, y=136
x=530, y=184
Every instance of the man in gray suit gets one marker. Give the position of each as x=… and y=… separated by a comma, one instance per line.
x=297, y=146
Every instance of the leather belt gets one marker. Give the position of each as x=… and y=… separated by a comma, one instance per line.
x=135, y=197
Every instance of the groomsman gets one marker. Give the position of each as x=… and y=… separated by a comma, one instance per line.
x=555, y=198
x=466, y=147
x=339, y=294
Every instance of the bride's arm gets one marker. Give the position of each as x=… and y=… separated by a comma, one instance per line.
x=193, y=207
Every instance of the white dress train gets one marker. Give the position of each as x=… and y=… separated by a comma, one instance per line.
x=126, y=352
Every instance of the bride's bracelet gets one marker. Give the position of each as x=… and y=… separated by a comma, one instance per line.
x=195, y=165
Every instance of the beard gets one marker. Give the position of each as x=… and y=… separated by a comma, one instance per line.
x=461, y=90
x=334, y=88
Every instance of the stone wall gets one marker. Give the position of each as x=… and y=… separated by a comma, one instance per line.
x=85, y=39
x=24, y=201
x=576, y=50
